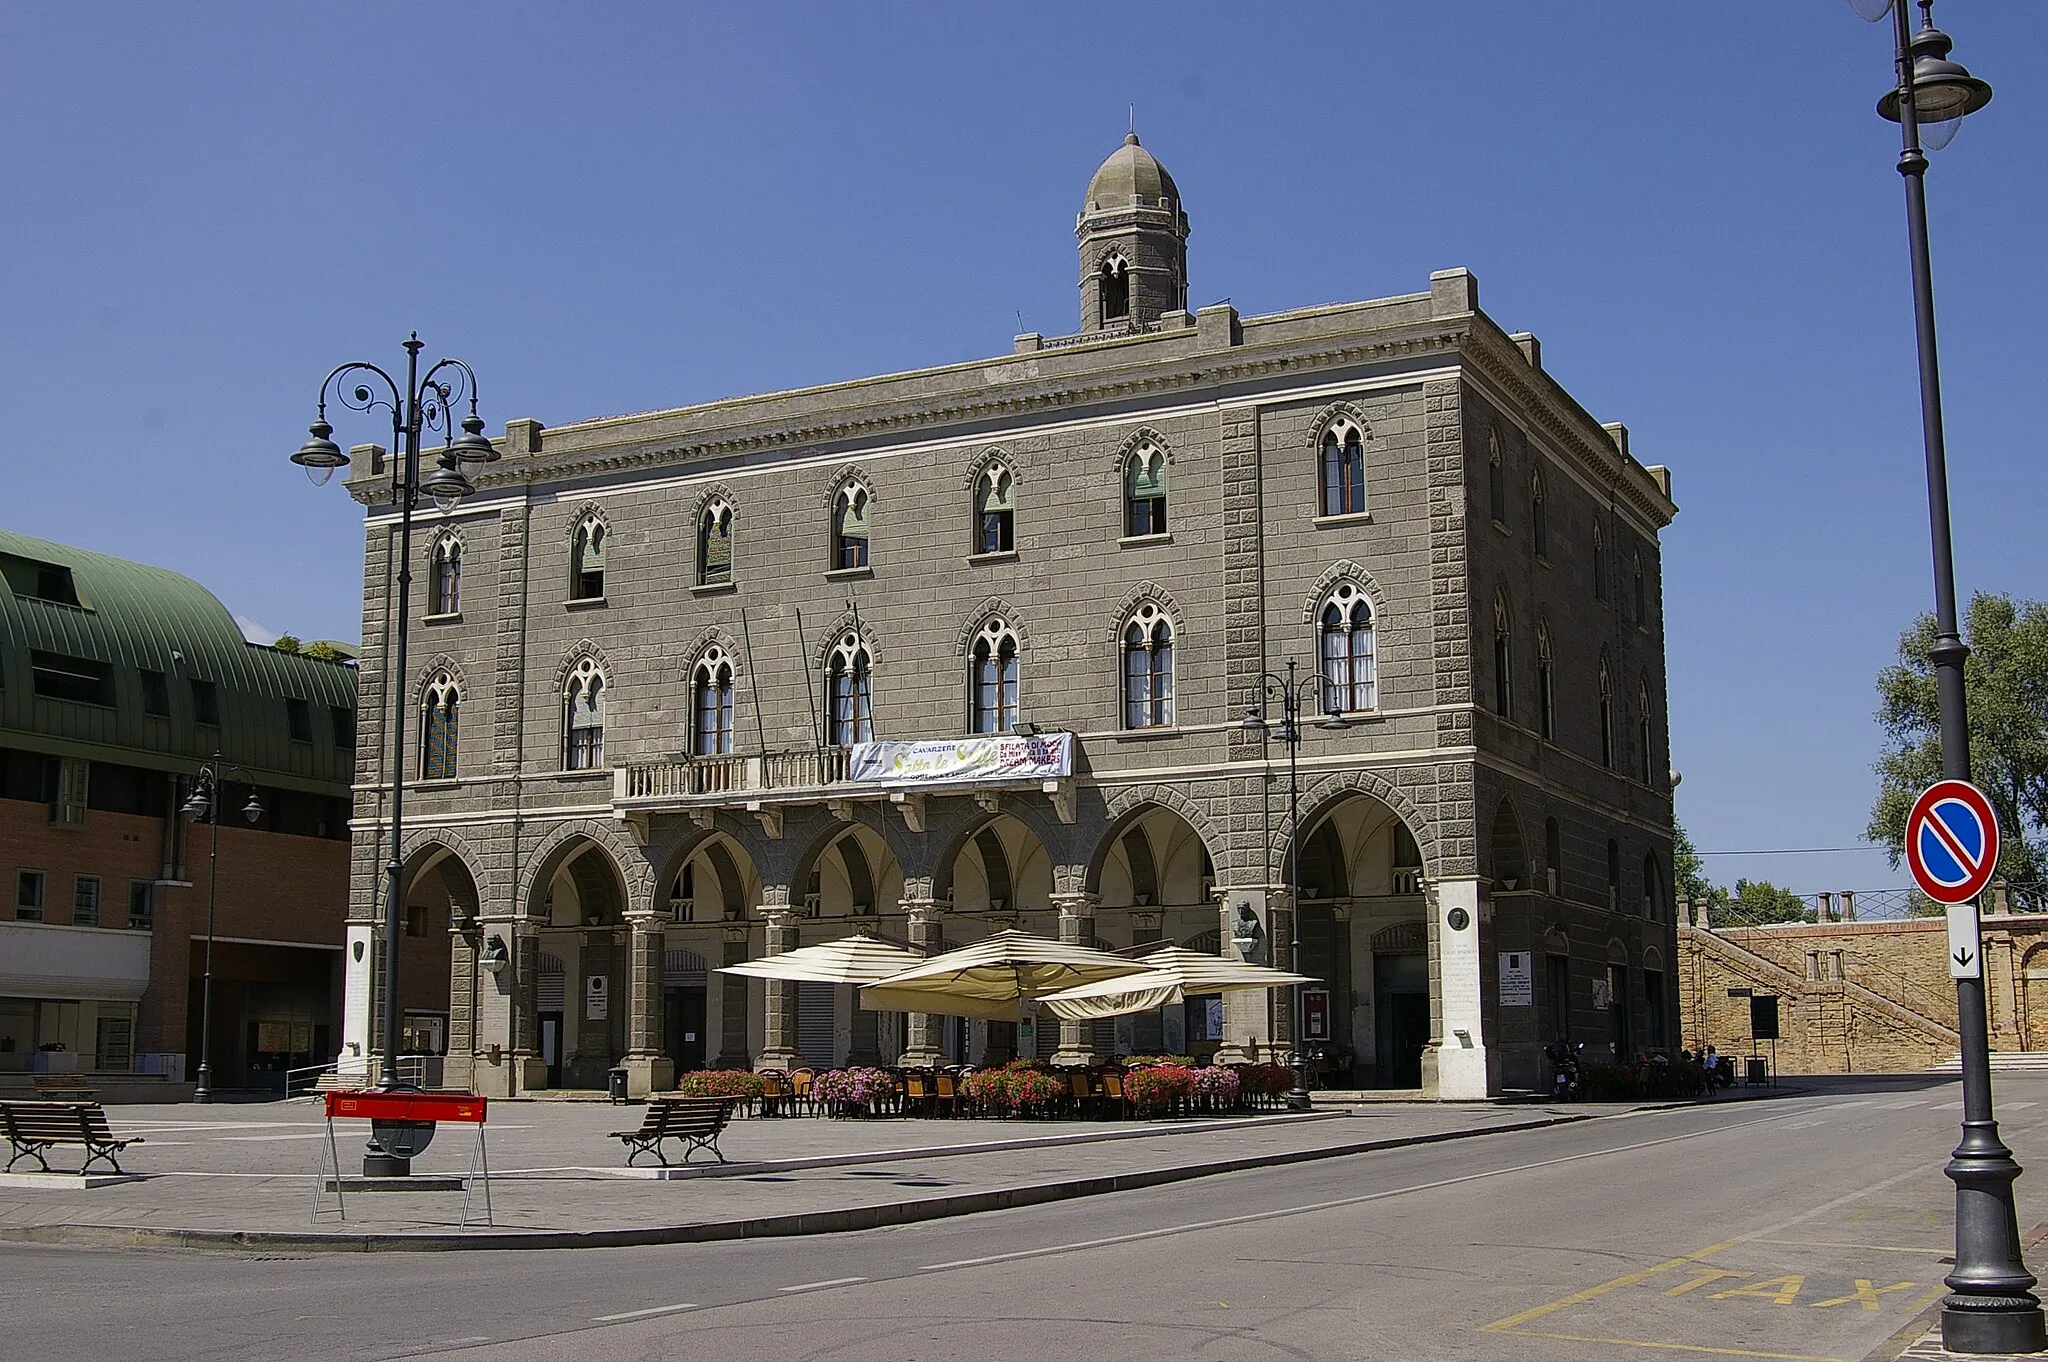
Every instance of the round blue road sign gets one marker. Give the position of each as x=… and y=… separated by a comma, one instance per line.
x=1952, y=841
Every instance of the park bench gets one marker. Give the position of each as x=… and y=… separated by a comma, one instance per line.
x=74, y=1087
x=33, y=1127
x=696, y=1121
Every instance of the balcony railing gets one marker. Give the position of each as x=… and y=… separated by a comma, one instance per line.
x=683, y=778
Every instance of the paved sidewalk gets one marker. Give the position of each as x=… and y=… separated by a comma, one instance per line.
x=236, y=1176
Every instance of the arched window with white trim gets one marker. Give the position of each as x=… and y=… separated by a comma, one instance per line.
x=1115, y=284
x=1345, y=626
x=1646, y=764
x=711, y=704
x=1496, y=479
x=1343, y=469
x=995, y=511
x=1148, y=669
x=440, y=727
x=850, y=526
x=444, y=582
x=848, y=688
x=583, y=717
x=1145, y=491
x=1539, y=514
x=586, y=558
x=1546, y=683
x=992, y=679
x=714, y=543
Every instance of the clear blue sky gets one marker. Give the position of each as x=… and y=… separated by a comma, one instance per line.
x=613, y=208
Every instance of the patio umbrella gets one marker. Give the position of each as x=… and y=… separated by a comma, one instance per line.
x=1177, y=973
x=992, y=978
x=856, y=959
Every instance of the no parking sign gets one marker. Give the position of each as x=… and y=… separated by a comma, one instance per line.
x=1952, y=850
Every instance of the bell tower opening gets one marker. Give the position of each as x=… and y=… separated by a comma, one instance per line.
x=1133, y=236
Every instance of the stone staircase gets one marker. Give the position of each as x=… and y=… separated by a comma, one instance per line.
x=1811, y=997
x=2002, y=1062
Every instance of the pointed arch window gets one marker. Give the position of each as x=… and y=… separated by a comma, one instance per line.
x=992, y=679
x=1539, y=515
x=714, y=544
x=1346, y=651
x=583, y=717
x=440, y=727
x=1606, y=717
x=1546, y=683
x=1646, y=767
x=1115, y=278
x=1599, y=564
x=847, y=684
x=995, y=511
x=1503, y=661
x=1638, y=598
x=1145, y=492
x=444, y=585
x=850, y=527
x=711, y=704
x=1148, y=669
x=586, y=559
x=1343, y=468
x=1496, y=479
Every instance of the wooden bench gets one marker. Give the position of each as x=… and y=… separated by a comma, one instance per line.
x=696, y=1121
x=74, y=1087
x=33, y=1127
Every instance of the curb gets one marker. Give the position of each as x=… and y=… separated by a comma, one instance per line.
x=761, y=1227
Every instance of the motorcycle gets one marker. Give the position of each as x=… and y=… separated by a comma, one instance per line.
x=1564, y=1071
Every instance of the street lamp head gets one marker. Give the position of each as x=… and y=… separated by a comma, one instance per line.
x=446, y=484
x=471, y=446
x=199, y=802
x=1333, y=722
x=1944, y=93
x=253, y=810
x=320, y=456
x=1254, y=722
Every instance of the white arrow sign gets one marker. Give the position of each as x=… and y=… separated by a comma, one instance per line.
x=1965, y=950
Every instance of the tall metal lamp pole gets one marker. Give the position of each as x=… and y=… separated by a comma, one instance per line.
x=204, y=802
x=424, y=403
x=1288, y=691
x=1991, y=1307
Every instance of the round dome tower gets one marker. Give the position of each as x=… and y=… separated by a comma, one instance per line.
x=1133, y=236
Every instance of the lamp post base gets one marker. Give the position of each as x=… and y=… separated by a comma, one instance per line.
x=2014, y=1326
x=386, y=1166
x=202, y=1093
x=1299, y=1100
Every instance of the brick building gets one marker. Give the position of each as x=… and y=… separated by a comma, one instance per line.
x=661, y=658
x=116, y=681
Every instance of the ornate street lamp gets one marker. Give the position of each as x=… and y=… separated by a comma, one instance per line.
x=1289, y=692
x=204, y=802
x=423, y=403
x=1991, y=1307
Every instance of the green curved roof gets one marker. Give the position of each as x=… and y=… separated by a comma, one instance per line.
x=131, y=618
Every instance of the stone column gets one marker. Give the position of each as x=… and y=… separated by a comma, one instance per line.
x=458, y=1068
x=1247, y=1013
x=778, y=1043
x=648, y=1067
x=922, y=1048
x=1080, y=1041
x=520, y=983
x=1455, y=1064
x=732, y=1004
x=1280, y=955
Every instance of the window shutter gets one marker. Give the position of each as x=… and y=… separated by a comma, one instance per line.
x=1147, y=476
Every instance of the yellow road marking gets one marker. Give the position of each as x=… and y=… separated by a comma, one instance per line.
x=1514, y=1322
x=1672, y=1347
x=1700, y=1279
x=1874, y=1248
x=1865, y=1294
x=1782, y=1290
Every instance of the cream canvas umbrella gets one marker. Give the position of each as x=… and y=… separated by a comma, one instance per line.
x=856, y=959
x=1178, y=973
x=993, y=978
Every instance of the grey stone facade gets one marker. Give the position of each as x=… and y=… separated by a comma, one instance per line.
x=1430, y=806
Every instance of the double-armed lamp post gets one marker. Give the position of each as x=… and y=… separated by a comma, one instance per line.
x=424, y=402
x=1289, y=692
x=204, y=802
x=1991, y=1306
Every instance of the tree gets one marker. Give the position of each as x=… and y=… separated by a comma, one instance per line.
x=1690, y=871
x=324, y=652
x=286, y=643
x=1759, y=901
x=2005, y=681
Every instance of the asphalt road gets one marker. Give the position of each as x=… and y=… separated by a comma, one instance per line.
x=1803, y=1228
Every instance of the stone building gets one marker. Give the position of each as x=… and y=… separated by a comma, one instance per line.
x=117, y=680
x=657, y=652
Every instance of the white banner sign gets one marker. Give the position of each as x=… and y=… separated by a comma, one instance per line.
x=962, y=761
x=1517, y=979
x=1965, y=947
